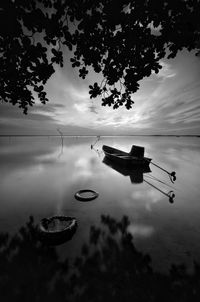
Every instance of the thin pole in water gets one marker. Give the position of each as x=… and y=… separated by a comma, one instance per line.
x=61, y=136
x=97, y=139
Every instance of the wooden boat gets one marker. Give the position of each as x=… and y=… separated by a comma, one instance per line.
x=134, y=158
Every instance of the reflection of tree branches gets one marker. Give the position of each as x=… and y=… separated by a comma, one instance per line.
x=27, y=266
x=110, y=268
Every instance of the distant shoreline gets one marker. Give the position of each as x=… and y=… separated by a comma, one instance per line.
x=93, y=135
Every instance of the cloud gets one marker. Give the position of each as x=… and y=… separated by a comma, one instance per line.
x=40, y=119
x=178, y=107
x=155, y=31
x=153, y=196
x=168, y=101
x=165, y=102
x=93, y=109
x=166, y=72
x=81, y=107
x=49, y=107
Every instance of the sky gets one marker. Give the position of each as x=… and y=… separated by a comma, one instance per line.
x=167, y=103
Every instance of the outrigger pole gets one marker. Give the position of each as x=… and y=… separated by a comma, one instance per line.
x=170, y=194
x=172, y=175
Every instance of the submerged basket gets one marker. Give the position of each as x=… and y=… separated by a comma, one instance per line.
x=57, y=229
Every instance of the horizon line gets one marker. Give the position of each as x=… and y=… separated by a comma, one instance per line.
x=103, y=135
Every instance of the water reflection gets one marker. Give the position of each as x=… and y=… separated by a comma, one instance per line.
x=38, y=179
x=109, y=268
x=136, y=175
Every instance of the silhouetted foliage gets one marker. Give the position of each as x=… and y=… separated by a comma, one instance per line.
x=123, y=40
x=110, y=268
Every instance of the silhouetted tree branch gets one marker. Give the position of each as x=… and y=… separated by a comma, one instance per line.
x=122, y=40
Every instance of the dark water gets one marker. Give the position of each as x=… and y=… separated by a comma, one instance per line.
x=39, y=177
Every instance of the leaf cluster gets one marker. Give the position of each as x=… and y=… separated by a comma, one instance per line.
x=123, y=41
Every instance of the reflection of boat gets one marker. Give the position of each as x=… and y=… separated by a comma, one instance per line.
x=57, y=229
x=133, y=158
x=136, y=173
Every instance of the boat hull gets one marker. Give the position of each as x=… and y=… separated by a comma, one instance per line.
x=124, y=158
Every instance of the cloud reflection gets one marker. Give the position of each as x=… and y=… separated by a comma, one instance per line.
x=139, y=230
x=149, y=196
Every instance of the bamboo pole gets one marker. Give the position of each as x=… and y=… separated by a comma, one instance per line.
x=172, y=175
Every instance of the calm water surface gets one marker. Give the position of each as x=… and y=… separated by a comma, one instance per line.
x=39, y=177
